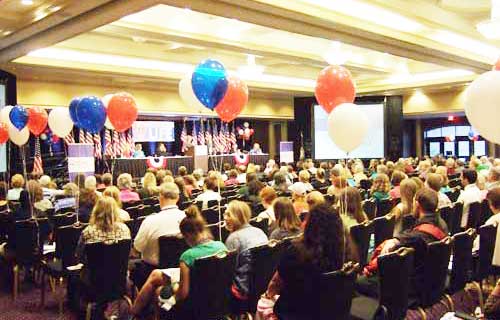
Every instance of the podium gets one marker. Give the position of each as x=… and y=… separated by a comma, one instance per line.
x=200, y=157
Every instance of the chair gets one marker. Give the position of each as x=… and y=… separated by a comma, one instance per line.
x=107, y=266
x=65, y=210
x=461, y=269
x=361, y=235
x=447, y=214
x=384, y=207
x=137, y=225
x=458, y=208
x=474, y=217
x=365, y=184
x=370, y=208
x=262, y=224
x=219, y=231
x=151, y=201
x=209, y=295
x=454, y=194
x=6, y=225
x=184, y=205
x=171, y=248
x=134, y=211
x=383, y=228
x=129, y=204
x=486, y=212
x=394, y=273
x=146, y=210
x=257, y=208
x=487, y=239
x=212, y=203
x=64, y=219
x=211, y=216
x=453, y=176
x=455, y=183
x=408, y=222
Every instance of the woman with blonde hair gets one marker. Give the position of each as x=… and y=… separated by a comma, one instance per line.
x=351, y=209
x=381, y=187
x=304, y=177
x=408, y=190
x=114, y=193
x=125, y=186
x=17, y=184
x=443, y=172
x=149, y=186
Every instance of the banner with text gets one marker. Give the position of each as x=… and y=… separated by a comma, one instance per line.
x=153, y=131
x=80, y=159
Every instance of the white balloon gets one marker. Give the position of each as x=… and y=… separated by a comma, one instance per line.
x=347, y=126
x=19, y=137
x=4, y=114
x=60, y=122
x=482, y=105
x=187, y=94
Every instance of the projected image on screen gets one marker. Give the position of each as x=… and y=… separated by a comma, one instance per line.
x=372, y=147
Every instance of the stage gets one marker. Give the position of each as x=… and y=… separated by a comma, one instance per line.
x=137, y=167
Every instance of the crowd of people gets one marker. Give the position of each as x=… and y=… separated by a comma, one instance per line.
x=316, y=204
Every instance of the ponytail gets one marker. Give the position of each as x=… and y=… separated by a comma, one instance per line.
x=193, y=223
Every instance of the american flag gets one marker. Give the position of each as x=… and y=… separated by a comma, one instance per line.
x=184, y=138
x=109, y=146
x=222, y=138
x=97, y=146
x=37, y=163
x=81, y=136
x=116, y=144
x=194, y=135
x=89, y=138
x=216, y=140
x=123, y=145
x=69, y=138
x=234, y=142
x=130, y=144
x=228, y=139
x=208, y=137
x=201, y=134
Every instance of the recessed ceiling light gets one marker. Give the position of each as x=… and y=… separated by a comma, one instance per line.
x=54, y=9
x=6, y=33
x=27, y=2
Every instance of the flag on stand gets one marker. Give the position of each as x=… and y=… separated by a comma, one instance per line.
x=81, y=136
x=130, y=144
x=88, y=138
x=116, y=144
x=37, y=159
x=208, y=137
x=123, y=145
x=234, y=142
x=215, y=137
x=184, y=138
x=69, y=138
x=222, y=138
x=228, y=139
x=194, y=135
x=108, y=151
x=201, y=134
x=97, y=146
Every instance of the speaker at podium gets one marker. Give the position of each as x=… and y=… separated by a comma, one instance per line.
x=200, y=156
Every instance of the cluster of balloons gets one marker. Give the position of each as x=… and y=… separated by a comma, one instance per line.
x=246, y=132
x=115, y=111
x=16, y=123
x=335, y=92
x=209, y=86
x=473, y=136
x=449, y=138
x=482, y=104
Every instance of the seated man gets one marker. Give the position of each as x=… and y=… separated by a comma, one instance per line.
x=164, y=223
x=256, y=149
x=429, y=228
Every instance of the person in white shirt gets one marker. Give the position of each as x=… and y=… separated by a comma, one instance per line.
x=17, y=184
x=242, y=174
x=210, y=193
x=493, y=198
x=470, y=194
x=304, y=177
x=164, y=223
x=268, y=195
x=493, y=178
x=269, y=166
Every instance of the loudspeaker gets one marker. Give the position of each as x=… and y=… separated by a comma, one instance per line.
x=393, y=127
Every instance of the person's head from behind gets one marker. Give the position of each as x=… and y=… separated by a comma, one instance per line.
x=426, y=202
x=286, y=218
x=17, y=181
x=397, y=177
x=493, y=198
x=193, y=226
x=299, y=191
x=233, y=174
x=418, y=182
x=105, y=214
x=114, y=193
x=267, y=195
x=381, y=168
x=149, y=181
x=254, y=187
x=279, y=179
x=323, y=241
x=70, y=189
x=256, y=146
x=190, y=181
x=320, y=174
x=237, y=215
x=44, y=181
x=314, y=198
x=182, y=171
x=242, y=169
x=350, y=200
x=408, y=189
x=35, y=190
x=469, y=176
x=107, y=179
x=251, y=177
x=138, y=147
x=211, y=184
x=169, y=194
x=381, y=183
x=494, y=175
x=434, y=181
x=162, y=148
x=167, y=179
x=179, y=181
x=339, y=182
x=90, y=183
x=124, y=181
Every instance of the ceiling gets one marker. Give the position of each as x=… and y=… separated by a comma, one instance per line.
x=277, y=46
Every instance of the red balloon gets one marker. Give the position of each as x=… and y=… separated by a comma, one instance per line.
x=234, y=100
x=4, y=133
x=37, y=120
x=122, y=111
x=333, y=87
x=497, y=65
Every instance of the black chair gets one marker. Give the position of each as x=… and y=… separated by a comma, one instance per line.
x=394, y=273
x=199, y=204
x=219, y=231
x=134, y=211
x=151, y=201
x=262, y=224
x=454, y=194
x=447, y=214
x=383, y=228
x=458, y=208
x=65, y=210
x=487, y=239
x=107, y=266
x=257, y=209
x=384, y=207
x=212, y=203
x=171, y=248
x=129, y=204
x=408, y=222
x=209, y=295
x=212, y=216
x=486, y=212
x=361, y=235
x=370, y=208
x=365, y=184
x=146, y=210
x=474, y=217
x=60, y=220
x=453, y=176
x=461, y=269
x=455, y=183
x=6, y=225
x=184, y=205
x=137, y=225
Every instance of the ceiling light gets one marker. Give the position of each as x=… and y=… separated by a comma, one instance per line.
x=371, y=13
x=491, y=28
x=251, y=69
x=27, y=2
x=465, y=43
x=428, y=76
x=334, y=55
x=6, y=33
x=54, y=9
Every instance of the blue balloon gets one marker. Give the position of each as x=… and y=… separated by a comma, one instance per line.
x=18, y=117
x=72, y=110
x=209, y=83
x=91, y=114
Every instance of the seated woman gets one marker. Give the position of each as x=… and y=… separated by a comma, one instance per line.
x=191, y=184
x=435, y=182
x=183, y=194
x=320, y=181
x=149, y=186
x=339, y=183
x=299, y=193
x=242, y=237
x=304, y=177
x=17, y=184
x=194, y=231
x=321, y=249
x=125, y=186
x=287, y=222
x=443, y=172
x=40, y=204
x=114, y=193
x=210, y=193
x=231, y=178
x=268, y=195
x=408, y=190
x=396, y=178
x=380, y=188
x=68, y=198
x=351, y=210
x=86, y=201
